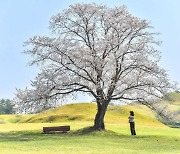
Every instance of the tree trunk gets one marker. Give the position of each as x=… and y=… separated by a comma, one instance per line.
x=99, y=118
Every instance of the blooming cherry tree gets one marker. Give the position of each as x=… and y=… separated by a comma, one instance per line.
x=105, y=52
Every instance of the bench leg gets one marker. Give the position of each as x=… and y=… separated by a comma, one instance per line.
x=64, y=131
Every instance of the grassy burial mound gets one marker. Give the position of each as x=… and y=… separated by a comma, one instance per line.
x=174, y=104
x=85, y=112
x=80, y=116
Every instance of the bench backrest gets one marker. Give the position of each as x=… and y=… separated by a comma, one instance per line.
x=56, y=128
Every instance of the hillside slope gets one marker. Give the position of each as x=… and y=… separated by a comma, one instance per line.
x=86, y=112
x=174, y=104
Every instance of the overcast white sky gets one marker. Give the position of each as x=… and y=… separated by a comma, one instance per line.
x=22, y=19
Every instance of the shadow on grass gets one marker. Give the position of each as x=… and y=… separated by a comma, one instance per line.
x=23, y=136
x=87, y=131
x=91, y=131
x=83, y=131
x=39, y=136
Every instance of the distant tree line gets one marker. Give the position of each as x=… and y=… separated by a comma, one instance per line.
x=6, y=107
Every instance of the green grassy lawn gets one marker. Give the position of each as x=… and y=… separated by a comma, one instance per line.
x=27, y=138
x=22, y=134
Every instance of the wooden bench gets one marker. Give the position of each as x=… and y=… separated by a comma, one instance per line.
x=63, y=129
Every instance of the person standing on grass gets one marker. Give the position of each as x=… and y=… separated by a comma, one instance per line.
x=132, y=124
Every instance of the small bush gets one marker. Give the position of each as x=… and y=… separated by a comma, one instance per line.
x=51, y=118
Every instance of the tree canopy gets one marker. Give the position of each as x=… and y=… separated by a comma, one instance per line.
x=105, y=52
